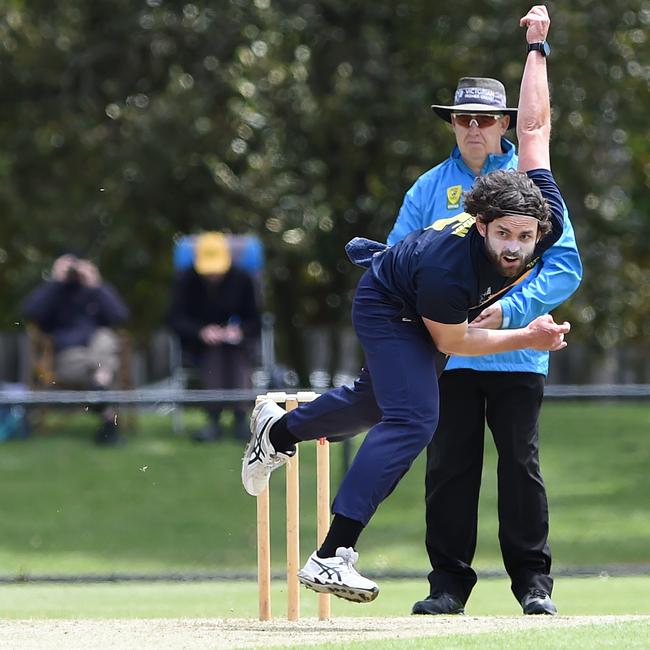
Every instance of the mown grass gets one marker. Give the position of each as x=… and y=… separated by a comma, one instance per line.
x=631, y=635
x=163, y=504
x=216, y=601
x=492, y=597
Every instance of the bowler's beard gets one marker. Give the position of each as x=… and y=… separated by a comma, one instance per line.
x=505, y=269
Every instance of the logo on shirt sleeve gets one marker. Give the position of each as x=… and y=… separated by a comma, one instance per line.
x=460, y=224
x=485, y=296
x=454, y=194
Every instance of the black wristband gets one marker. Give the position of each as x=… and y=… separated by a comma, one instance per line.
x=543, y=48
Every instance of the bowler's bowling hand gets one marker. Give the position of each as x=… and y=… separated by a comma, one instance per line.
x=490, y=318
x=546, y=334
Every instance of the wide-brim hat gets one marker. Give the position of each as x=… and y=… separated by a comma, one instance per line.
x=478, y=95
x=212, y=254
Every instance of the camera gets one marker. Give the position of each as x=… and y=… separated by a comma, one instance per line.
x=72, y=276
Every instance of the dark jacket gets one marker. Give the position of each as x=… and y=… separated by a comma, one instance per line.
x=197, y=302
x=71, y=313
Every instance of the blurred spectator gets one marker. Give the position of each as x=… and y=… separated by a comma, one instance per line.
x=215, y=313
x=77, y=309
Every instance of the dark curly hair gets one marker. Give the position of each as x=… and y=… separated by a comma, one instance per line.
x=507, y=192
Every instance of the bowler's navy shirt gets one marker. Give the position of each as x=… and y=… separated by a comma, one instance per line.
x=443, y=272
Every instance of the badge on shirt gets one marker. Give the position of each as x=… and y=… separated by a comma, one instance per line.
x=454, y=194
x=485, y=296
x=532, y=263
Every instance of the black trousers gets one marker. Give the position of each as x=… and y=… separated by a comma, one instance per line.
x=225, y=367
x=510, y=403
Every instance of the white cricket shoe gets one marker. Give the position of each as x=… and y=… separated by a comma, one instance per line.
x=260, y=458
x=338, y=576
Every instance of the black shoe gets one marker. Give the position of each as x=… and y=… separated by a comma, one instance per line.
x=108, y=435
x=537, y=601
x=439, y=604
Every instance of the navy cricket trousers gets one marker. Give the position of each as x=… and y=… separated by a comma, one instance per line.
x=395, y=398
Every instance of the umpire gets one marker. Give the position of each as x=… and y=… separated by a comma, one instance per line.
x=506, y=389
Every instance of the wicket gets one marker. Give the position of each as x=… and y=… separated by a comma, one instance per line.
x=291, y=401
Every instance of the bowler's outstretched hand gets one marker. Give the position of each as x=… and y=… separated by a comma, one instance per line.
x=546, y=334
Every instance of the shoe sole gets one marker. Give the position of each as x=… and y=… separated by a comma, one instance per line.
x=251, y=443
x=249, y=446
x=421, y=612
x=256, y=409
x=340, y=591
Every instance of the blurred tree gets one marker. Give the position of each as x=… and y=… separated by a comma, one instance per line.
x=126, y=124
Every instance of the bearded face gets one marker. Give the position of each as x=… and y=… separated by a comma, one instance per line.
x=510, y=242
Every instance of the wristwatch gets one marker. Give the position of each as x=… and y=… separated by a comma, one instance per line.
x=543, y=48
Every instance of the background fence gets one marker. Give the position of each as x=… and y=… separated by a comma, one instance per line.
x=333, y=358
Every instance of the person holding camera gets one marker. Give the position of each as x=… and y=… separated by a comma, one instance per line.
x=79, y=311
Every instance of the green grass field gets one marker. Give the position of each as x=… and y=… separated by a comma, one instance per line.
x=631, y=636
x=200, y=603
x=163, y=504
x=492, y=597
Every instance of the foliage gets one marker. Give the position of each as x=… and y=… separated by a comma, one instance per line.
x=126, y=124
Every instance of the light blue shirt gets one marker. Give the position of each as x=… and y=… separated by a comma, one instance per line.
x=438, y=194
